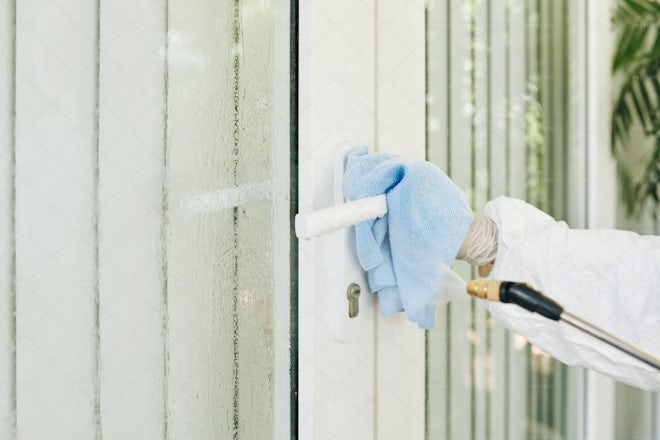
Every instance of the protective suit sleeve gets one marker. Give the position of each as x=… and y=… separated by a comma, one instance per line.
x=610, y=278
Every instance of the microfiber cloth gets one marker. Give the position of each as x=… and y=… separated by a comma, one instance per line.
x=405, y=253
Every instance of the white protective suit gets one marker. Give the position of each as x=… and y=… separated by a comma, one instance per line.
x=610, y=278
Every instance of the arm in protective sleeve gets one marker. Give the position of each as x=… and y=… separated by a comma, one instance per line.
x=610, y=278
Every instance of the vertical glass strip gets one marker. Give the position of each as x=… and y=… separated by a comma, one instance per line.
x=448, y=312
x=96, y=234
x=565, y=99
x=235, y=243
x=55, y=117
x=489, y=359
x=7, y=224
x=132, y=219
x=472, y=103
x=585, y=129
x=530, y=179
x=461, y=164
x=481, y=131
x=448, y=102
x=13, y=424
x=507, y=191
x=427, y=349
x=497, y=165
x=258, y=235
x=558, y=174
x=164, y=231
x=229, y=221
x=517, y=178
x=201, y=195
x=438, y=66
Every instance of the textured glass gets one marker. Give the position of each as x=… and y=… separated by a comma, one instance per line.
x=144, y=219
x=222, y=180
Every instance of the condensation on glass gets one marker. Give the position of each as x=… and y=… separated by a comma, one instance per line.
x=144, y=229
x=227, y=257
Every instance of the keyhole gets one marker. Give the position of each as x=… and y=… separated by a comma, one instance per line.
x=353, y=296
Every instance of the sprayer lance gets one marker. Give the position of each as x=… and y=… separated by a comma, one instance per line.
x=526, y=297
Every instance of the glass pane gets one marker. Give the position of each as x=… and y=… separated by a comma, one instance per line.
x=145, y=219
x=508, y=114
x=497, y=79
x=227, y=248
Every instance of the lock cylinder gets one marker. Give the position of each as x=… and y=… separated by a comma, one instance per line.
x=353, y=296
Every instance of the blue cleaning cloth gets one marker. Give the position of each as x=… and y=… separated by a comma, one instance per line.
x=426, y=222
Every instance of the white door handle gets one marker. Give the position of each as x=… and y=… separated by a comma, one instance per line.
x=319, y=222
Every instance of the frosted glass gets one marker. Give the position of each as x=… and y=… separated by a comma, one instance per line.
x=144, y=219
x=222, y=179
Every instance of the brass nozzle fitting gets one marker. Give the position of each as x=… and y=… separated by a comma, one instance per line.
x=485, y=289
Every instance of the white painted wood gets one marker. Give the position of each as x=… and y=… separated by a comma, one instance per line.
x=577, y=151
x=480, y=180
x=337, y=102
x=655, y=414
x=499, y=130
x=517, y=82
x=437, y=65
x=400, y=129
x=201, y=289
x=461, y=143
x=558, y=162
x=516, y=165
x=7, y=359
x=532, y=173
x=400, y=77
x=438, y=339
x=600, y=187
x=577, y=177
x=131, y=158
x=460, y=167
x=600, y=416
x=55, y=228
x=280, y=227
x=601, y=184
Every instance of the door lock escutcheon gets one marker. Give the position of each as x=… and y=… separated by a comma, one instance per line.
x=353, y=296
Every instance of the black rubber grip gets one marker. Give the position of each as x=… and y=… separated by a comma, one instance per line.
x=528, y=298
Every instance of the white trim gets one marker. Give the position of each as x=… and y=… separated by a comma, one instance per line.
x=7, y=338
x=599, y=420
x=400, y=129
x=281, y=83
x=601, y=166
x=336, y=102
x=54, y=221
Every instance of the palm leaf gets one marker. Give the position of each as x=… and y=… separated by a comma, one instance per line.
x=637, y=60
x=630, y=43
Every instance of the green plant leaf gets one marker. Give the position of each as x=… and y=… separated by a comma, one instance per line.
x=630, y=43
x=638, y=102
x=637, y=60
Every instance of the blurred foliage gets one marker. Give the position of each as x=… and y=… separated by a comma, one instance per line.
x=637, y=107
x=536, y=189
